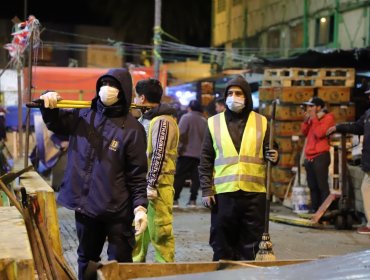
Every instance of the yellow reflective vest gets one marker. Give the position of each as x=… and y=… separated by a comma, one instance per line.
x=162, y=150
x=246, y=170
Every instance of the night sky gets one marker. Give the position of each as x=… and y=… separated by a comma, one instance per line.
x=190, y=21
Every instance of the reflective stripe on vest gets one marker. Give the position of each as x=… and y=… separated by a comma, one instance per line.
x=245, y=171
x=166, y=160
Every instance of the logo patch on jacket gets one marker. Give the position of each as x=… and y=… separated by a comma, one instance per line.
x=114, y=145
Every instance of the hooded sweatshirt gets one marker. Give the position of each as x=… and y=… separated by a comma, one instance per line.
x=236, y=123
x=106, y=173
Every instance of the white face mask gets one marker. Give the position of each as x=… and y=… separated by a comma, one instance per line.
x=235, y=104
x=108, y=95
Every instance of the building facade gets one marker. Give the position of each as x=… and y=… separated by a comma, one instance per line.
x=279, y=28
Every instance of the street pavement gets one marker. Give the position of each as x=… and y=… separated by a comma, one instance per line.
x=191, y=227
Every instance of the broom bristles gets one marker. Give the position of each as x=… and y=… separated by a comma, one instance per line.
x=265, y=252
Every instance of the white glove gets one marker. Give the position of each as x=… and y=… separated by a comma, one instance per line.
x=272, y=155
x=208, y=201
x=50, y=99
x=141, y=220
x=151, y=193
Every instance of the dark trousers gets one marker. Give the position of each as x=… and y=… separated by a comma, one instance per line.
x=237, y=225
x=317, y=170
x=92, y=234
x=186, y=166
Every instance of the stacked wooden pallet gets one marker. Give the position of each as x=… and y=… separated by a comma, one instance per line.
x=293, y=86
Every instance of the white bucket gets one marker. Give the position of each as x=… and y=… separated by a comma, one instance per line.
x=300, y=199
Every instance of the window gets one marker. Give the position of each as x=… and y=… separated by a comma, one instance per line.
x=273, y=39
x=324, y=31
x=296, y=36
x=221, y=5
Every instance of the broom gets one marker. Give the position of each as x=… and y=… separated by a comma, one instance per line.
x=265, y=252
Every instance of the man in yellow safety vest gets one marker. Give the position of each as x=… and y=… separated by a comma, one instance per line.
x=232, y=174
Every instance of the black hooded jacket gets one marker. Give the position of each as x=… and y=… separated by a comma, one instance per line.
x=107, y=165
x=360, y=127
x=235, y=123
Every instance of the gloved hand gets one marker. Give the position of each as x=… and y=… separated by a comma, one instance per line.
x=50, y=99
x=141, y=220
x=272, y=155
x=208, y=201
x=151, y=193
x=331, y=130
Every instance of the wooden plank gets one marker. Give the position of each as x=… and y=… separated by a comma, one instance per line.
x=35, y=184
x=283, y=73
x=348, y=73
x=16, y=261
x=123, y=271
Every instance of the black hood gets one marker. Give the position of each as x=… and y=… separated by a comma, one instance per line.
x=123, y=77
x=243, y=84
x=161, y=109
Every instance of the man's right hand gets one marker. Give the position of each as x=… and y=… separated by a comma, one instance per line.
x=50, y=99
x=331, y=130
x=209, y=201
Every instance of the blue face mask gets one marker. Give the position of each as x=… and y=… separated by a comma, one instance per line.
x=235, y=104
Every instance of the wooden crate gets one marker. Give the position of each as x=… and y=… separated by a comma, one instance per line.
x=286, y=145
x=281, y=174
x=348, y=73
x=334, y=95
x=281, y=73
x=279, y=189
x=295, y=95
x=290, y=82
x=334, y=81
x=284, y=112
x=343, y=112
x=287, y=128
x=286, y=160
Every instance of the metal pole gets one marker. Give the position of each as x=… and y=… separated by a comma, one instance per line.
x=29, y=97
x=25, y=6
x=336, y=24
x=20, y=125
x=305, y=24
x=157, y=38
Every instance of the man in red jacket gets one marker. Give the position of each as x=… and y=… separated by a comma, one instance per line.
x=316, y=122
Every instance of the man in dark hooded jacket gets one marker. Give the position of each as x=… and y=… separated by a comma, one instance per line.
x=105, y=179
x=232, y=174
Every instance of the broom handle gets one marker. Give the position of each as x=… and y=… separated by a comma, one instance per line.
x=269, y=166
x=39, y=103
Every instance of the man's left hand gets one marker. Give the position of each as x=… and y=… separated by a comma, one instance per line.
x=272, y=155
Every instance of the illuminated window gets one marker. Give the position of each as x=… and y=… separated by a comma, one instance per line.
x=324, y=32
x=221, y=5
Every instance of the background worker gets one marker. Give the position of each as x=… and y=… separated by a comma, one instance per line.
x=104, y=182
x=316, y=122
x=163, y=136
x=233, y=156
x=361, y=127
x=192, y=127
x=220, y=105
